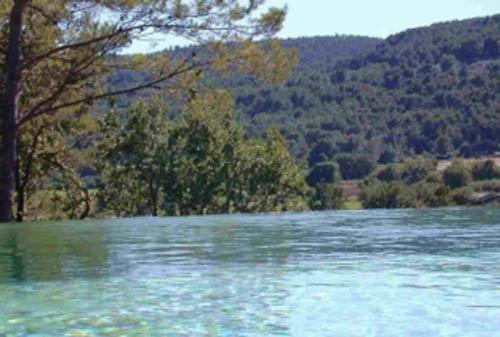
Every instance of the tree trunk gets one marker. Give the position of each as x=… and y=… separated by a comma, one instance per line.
x=20, y=196
x=153, y=195
x=9, y=106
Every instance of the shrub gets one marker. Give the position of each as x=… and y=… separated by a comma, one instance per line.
x=457, y=174
x=388, y=173
x=424, y=195
x=327, y=196
x=415, y=170
x=485, y=170
x=462, y=196
x=486, y=186
x=408, y=198
x=434, y=194
x=354, y=166
x=388, y=156
x=434, y=177
x=324, y=173
x=380, y=195
x=397, y=195
x=323, y=151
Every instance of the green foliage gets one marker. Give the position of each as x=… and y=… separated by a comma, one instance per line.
x=424, y=194
x=354, y=166
x=485, y=170
x=69, y=49
x=49, y=160
x=199, y=164
x=486, y=186
x=202, y=151
x=412, y=184
x=131, y=158
x=324, y=173
x=415, y=170
x=381, y=195
x=425, y=91
x=396, y=194
x=268, y=178
x=434, y=177
x=457, y=174
x=388, y=103
x=462, y=195
x=416, y=183
x=388, y=173
x=354, y=100
x=327, y=196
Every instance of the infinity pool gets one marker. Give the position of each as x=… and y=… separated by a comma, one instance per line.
x=365, y=273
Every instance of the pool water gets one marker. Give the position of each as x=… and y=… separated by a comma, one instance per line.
x=384, y=273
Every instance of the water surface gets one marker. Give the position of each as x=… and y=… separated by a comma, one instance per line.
x=365, y=273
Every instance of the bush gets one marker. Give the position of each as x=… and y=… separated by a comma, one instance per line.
x=388, y=173
x=388, y=156
x=324, y=173
x=424, y=195
x=433, y=194
x=485, y=170
x=486, y=186
x=327, y=196
x=457, y=174
x=462, y=196
x=354, y=166
x=397, y=195
x=323, y=151
x=408, y=198
x=415, y=170
x=380, y=195
x=434, y=177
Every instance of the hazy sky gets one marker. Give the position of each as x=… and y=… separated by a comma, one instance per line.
x=378, y=18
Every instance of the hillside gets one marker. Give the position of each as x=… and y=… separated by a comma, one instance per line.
x=426, y=91
x=430, y=90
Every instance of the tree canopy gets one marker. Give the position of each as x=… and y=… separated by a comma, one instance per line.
x=57, y=54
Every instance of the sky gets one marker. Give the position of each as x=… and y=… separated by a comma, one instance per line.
x=377, y=18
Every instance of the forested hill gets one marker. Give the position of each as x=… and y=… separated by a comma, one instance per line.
x=321, y=52
x=431, y=90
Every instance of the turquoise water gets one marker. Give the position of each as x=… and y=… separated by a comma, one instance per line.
x=368, y=273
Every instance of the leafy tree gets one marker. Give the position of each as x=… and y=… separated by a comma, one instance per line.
x=268, y=179
x=324, y=173
x=485, y=170
x=388, y=173
x=48, y=160
x=321, y=152
x=203, y=150
x=415, y=170
x=57, y=53
x=131, y=158
x=327, y=196
x=457, y=174
x=381, y=195
x=388, y=156
x=424, y=194
x=462, y=195
x=199, y=164
x=354, y=166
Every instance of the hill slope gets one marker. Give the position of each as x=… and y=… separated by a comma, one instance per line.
x=431, y=90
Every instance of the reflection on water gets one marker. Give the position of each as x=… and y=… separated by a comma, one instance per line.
x=48, y=251
x=369, y=273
